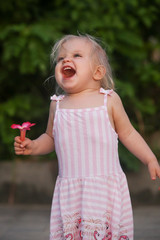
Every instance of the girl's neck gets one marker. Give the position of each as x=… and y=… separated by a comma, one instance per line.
x=89, y=98
x=82, y=93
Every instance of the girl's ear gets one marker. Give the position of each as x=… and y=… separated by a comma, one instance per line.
x=99, y=72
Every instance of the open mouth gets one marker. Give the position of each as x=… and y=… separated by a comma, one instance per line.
x=68, y=71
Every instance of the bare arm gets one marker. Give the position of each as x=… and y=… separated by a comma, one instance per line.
x=40, y=146
x=131, y=139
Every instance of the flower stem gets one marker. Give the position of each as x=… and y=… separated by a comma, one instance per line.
x=23, y=134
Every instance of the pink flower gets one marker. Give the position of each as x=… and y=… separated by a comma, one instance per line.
x=25, y=126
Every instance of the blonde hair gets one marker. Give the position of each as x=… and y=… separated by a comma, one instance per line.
x=107, y=81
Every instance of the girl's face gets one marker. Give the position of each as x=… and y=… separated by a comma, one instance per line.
x=75, y=67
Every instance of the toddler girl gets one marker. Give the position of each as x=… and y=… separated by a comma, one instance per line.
x=91, y=198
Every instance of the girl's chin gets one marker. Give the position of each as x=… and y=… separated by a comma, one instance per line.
x=68, y=89
x=68, y=86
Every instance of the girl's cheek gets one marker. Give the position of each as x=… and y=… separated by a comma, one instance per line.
x=58, y=69
x=57, y=72
x=57, y=75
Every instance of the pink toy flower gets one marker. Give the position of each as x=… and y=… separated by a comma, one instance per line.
x=25, y=126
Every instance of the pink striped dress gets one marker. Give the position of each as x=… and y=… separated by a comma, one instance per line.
x=91, y=198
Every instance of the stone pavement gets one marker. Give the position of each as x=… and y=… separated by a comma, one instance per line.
x=31, y=222
x=24, y=222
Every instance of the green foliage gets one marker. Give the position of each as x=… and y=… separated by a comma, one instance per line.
x=28, y=29
x=128, y=161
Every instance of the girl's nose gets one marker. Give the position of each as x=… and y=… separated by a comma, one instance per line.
x=66, y=59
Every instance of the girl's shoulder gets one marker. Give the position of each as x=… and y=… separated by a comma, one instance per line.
x=114, y=98
x=114, y=102
x=52, y=109
x=111, y=93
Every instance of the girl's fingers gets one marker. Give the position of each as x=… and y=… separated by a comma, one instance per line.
x=153, y=176
x=18, y=147
x=19, y=151
x=17, y=139
x=25, y=143
x=158, y=172
x=154, y=170
x=22, y=148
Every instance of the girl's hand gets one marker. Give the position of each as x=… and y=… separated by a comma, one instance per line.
x=154, y=169
x=23, y=148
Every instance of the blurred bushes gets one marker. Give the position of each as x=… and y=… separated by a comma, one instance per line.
x=28, y=29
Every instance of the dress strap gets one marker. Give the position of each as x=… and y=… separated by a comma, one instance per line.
x=106, y=92
x=57, y=99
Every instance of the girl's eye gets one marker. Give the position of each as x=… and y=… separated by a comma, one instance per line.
x=60, y=59
x=77, y=55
